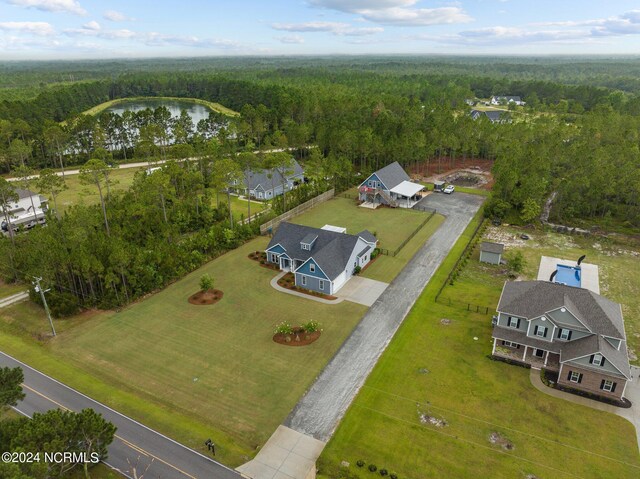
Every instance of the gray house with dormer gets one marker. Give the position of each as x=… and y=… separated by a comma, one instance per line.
x=267, y=184
x=322, y=259
x=569, y=330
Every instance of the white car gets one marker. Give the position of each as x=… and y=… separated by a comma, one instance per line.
x=449, y=189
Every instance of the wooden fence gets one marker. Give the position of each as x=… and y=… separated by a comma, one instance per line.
x=270, y=226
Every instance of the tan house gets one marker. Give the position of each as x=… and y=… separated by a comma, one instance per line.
x=572, y=331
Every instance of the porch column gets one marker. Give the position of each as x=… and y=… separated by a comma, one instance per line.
x=493, y=351
x=525, y=353
x=546, y=356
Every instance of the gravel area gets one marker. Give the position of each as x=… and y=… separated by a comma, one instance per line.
x=322, y=407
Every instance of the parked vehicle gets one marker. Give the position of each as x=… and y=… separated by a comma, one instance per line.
x=24, y=222
x=449, y=189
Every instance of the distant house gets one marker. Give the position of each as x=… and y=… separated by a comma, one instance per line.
x=390, y=186
x=493, y=116
x=491, y=252
x=499, y=100
x=569, y=330
x=24, y=214
x=470, y=102
x=267, y=184
x=322, y=259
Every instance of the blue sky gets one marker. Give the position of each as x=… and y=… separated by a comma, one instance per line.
x=52, y=29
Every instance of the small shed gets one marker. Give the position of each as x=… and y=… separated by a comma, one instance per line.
x=438, y=185
x=491, y=252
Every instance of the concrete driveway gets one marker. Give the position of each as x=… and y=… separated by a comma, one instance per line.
x=362, y=290
x=632, y=393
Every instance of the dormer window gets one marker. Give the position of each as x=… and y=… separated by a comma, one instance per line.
x=540, y=331
x=597, y=360
x=564, y=334
x=307, y=242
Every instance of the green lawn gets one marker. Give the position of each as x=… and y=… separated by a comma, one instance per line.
x=79, y=194
x=178, y=364
x=9, y=289
x=238, y=205
x=617, y=263
x=442, y=371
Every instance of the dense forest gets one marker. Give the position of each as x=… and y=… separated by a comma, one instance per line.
x=576, y=140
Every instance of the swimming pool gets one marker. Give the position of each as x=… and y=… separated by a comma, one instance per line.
x=569, y=275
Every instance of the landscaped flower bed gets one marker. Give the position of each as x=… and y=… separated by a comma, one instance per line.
x=289, y=281
x=210, y=296
x=261, y=258
x=297, y=335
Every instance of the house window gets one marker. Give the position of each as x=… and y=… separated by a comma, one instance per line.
x=597, y=360
x=321, y=285
x=304, y=280
x=608, y=386
x=575, y=377
x=274, y=258
x=513, y=322
x=541, y=331
x=538, y=353
x=370, y=183
x=510, y=344
x=312, y=267
x=565, y=334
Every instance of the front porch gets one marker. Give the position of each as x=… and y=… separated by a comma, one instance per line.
x=536, y=357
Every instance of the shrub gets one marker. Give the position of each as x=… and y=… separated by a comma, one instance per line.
x=373, y=468
x=393, y=475
x=261, y=261
x=383, y=472
x=311, y=327
x=284, y=328
x=360, y=463
x=357, y=270
x=206, y=282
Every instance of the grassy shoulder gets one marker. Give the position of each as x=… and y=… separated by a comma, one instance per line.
x=9, y=289
x=217, y=107
x=440, y=369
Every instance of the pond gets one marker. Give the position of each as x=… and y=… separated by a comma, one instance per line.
x=196, y=111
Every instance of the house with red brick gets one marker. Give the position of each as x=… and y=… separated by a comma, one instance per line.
x=569, y=330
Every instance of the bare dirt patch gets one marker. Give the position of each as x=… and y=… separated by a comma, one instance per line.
x=201, y=298
x=500, y=440
x=432, y=420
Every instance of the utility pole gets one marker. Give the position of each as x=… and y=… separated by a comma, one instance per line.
x=44, y=302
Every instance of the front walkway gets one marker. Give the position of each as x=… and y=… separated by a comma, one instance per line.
x=632, y=393
x=275, y=285
x=14, y=298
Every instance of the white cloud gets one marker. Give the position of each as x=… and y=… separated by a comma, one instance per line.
x=417, y=17
x=33, y=28
x=355, y=6
x=397, y=12
x=69, y=6
x=115, y=16
x=92, y=25
x=336, y=28
x=291, y=39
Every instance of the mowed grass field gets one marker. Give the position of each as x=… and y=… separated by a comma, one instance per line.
x=214, y=364
x=441, y=370
x=391, y=226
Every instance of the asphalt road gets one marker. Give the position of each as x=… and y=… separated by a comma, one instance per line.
x=135, y=446
x=320, y=410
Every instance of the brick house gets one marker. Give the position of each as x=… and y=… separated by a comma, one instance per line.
x=572, y=331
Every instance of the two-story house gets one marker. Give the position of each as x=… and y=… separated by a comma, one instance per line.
x=390, y=186
x=322, y=259
x=572, y=331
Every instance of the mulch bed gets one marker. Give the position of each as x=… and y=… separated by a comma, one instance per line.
x=298, y=338
x=211, y=296
x=260, y=257
x=288, y=281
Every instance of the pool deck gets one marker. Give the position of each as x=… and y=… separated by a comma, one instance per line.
x=590, y=278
